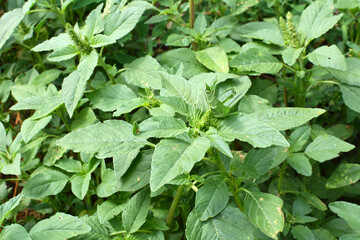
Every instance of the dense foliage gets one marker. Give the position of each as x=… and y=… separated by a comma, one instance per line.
x=198, y=120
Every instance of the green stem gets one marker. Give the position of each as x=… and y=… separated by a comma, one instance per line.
x=124, y=232
x=103, y=65
x=64, y=121
x=150, y=144
x=191, y=13
x=60, y=14
x=282, y=172
x=174, y=205
x=238, y=200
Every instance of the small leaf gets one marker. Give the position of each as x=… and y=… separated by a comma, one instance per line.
x=345, y=174
x=330, y=57
x=178, y=40
x=213, y=58
x=8, y=206
x=108, y=210
x=351, y=96
x=264, y=211
x=211, y=199
x=300, y=163
x=352, y=74
x=266, y=31
x=58, y=227
x=14, y=232
x=162, y=127
x=80, y=184
x=261, y=159
x=64, y=53
x=325, y=147
x=218, y=142
x=302, y=233
x=350, y=212
x=299, y=138
x=136, y=210
x=290, y=55
x=31, y=127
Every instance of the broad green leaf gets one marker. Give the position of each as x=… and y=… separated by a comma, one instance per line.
x=94, y=23
x=47, y=77
x=70, y=165
x=129, y=105
x=110, y=98
x=108, y=210
x=55, y=43
x=301, y=207
x=329, y=57
x=64, y=53
x=286, y=118
x=48, y=106
x=2, y=137
x=178, y=40
x=185, y=90
x=249, y=129
x=123, y=160
x=162, y=127
x=218, y=142
x=144, y=72
x=45, y=183
x=80, y=184
x=345, y=174
x=325, y=147
x=314, y=201
x=351, y=96
x=244, y=6
x=14, y=232
x=352, y=74
x=350, y=237
x=299, y=138
x=101, y=40
x=58, y=227
x=265, y=89
x=347, y=4
x=74, y=85
x=230, y=224
x=108, y=185
x=256, y=60
x=5, y=87
x=13, y=167
x=98, y=230
x=85, y=118
x=108, y=139
x=300, y=163
x=53, y=154
x=31, y=127
x=8, y=206
x=302, y=233
x=261, y=159
x=229, y=45
x=350, y=212
x=266, y=31
x=252, y=103
x=213, y=58
x=317, y=19
x=185, y=56
x=211, y=199
x=264, y=211
x=200, y=24
x=136, y=210
x=173, y=157
x=138, y=174
x=290, y=55
x=118, y=24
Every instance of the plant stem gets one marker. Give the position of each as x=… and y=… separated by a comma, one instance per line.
x=191, y=13
x=238, y=200
x=103, y=65
x=124, y=232
x=173, y=207
x=282, y=172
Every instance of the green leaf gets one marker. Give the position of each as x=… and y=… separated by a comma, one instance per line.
x=352, y=74
x=144, y=72
x=249, y=129
x=128, y=106
x=200, y=24
x=2, y=137
x=351, y=96
x=264, y=211
x=286, y=118
x=213, y=58
x=70, y=165
x=350, y=212
x=98, y=231
x=13, y=167
x=85, y=118
x=80, y=184
x=48, y=106
x=266, y=31
x=290, y=55
x=55, y=43
x=325, y=147
x=317, y=19
x=109, y=98
x=261, y=159
x=230, y=224
x=45, y=183
x=101, y=40
x=136, y=210
x=185, y=56
x=58, y=227
x=218, y=142
x=345, y=174
x=46, y=77
x=14, y=232
x=64, y=53
x=8, y=206
x=108, y=210
x=173, y=157
x=118, y=24
x=74, y=85
x=108, y=139
x=330, y=57
x=300, y=163
x=256, y=60
x=94, y=23
x=211, y=199
x=31, y=127
x=265, y=89
x=252, y=103
x=299, y=138
x=314, y=201
x=5, y=87
x=123, y=160
x=178, y=40
x=162, y=127
x=302, y=233
x=138, y=174
x=229, y=45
